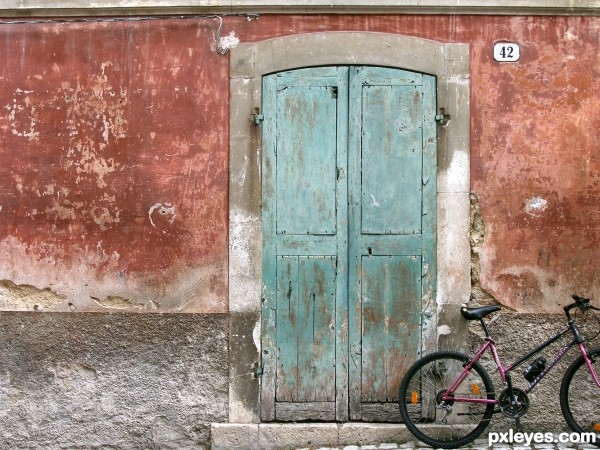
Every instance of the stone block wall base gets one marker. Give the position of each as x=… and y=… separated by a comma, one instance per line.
x=275, y=436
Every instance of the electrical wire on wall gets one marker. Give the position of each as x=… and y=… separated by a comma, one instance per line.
x=223, y=44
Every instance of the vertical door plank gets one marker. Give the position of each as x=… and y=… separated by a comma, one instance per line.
x=269, y=250
x=429, y=223
x=341, y=263
x=375, y=271
x=355, y=247
x=316, y=329
x=287, y=329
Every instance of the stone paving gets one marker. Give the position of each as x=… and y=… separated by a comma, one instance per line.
x=478, y=444
x=358, y=436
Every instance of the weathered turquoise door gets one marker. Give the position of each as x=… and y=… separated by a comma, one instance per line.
x=348, y=186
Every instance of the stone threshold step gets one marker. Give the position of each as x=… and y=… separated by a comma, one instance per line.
x=275, y=436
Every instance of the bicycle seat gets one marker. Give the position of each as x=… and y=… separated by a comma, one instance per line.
x=478, y=313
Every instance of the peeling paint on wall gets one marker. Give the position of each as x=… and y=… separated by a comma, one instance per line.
x=101, y=122
x=479, y=295
x=536, y=206
x=535, y=125
x=114, y=302
x=97, y=122
x=244, y=241
x=22, y=115
x=535, y=165
x=443, y=330
x=228, y=42
x=24, y=297
x=163, y=213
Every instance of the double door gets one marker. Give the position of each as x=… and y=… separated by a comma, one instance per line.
x=348, y=214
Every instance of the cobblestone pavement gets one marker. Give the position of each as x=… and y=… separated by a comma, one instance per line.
x=478, y=444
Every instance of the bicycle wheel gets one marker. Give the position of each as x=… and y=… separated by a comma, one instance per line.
x=580, y=397
x=441, y=424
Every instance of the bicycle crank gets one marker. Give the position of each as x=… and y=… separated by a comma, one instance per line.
x=513, y=409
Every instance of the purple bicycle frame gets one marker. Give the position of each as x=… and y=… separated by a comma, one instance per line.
x=489, y=344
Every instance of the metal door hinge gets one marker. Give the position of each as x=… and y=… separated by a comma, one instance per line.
x=442, y=118
x=257, y=118
x=257, y=370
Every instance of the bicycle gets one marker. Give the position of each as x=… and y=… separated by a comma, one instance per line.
x=447, y=399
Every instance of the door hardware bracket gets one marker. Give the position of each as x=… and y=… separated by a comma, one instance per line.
x=442, y=118
x=257, y=118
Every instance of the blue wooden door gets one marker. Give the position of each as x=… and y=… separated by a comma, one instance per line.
x=392, y=196
x=348, y=186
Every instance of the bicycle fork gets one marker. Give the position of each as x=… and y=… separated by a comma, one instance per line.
x=588, y=362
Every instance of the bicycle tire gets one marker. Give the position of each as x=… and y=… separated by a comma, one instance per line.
x=580, y=397
x=418, y=400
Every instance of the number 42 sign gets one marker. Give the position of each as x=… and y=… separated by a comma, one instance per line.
x=507, y=52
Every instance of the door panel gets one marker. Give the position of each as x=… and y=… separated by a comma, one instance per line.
x=391, y=162
x=305, y=246
x=390, y=285
x=306, y=160
x=348, y=239
x=306, y=329
x=389, y=148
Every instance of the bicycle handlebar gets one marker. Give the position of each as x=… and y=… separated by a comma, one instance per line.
x=580, y=302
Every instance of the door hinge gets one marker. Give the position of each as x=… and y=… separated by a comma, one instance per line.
x=257, y=370
x=442, y=118
x=257, y=118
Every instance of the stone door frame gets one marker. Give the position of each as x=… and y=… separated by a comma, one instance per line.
x=248, y=63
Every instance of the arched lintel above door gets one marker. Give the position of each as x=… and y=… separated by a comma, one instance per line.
x=349, y=47
x=449, y=62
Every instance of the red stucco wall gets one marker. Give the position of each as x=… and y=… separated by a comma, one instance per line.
x=114, y=137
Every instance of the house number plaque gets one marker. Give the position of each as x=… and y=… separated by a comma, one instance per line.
x=507, y=52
